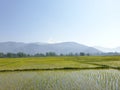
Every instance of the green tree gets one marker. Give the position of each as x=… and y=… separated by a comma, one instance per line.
x=51, y=54
x=21, y=54
x=82, y=54
x=39, y=55
x=1, y=55
x=10, y=55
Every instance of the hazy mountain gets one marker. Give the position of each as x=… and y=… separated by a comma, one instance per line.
x=33, y=48
x=103, y=49
x=117, y=49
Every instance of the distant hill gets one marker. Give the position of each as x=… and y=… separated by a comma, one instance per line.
x=103, y=49
x=33, y=48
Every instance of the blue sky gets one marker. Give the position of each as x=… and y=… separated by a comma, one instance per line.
x=90, y=22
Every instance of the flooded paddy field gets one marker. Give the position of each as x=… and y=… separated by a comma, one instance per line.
x=61, y=80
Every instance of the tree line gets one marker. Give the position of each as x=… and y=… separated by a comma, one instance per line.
x=21, y=54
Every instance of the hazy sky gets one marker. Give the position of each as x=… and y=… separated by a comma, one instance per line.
x=90, y=22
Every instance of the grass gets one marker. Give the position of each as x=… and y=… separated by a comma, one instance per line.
x=52, y=63
x=40, y=63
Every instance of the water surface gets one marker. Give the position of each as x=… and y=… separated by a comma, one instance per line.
x=61, y=80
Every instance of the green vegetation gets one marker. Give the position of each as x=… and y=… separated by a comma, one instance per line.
x=60, y=73
x=65, y=62
x=42, y=63
x=47, y=54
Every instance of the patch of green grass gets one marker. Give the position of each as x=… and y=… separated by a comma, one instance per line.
x=41, y=63
x=82, y=62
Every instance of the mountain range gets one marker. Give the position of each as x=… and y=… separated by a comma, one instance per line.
x=58, y=48
x=103, y=49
